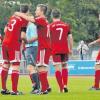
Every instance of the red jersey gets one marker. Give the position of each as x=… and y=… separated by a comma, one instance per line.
x=59, y=37
x=13, y=32
x=42, y=28
x=98, y=56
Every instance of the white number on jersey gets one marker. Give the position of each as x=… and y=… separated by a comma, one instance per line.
x=11, y=27
x=61, y=31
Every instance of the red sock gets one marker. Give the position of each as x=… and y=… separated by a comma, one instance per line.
x=47, y=80
x=65, y=76
x=59, y=80
x=43, y=80
x=14, y=78
x=97, y=78
x=4, y=75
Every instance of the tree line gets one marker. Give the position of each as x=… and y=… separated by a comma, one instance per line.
x=82, y=15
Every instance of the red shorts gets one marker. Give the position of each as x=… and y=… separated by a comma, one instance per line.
x=11, y=54
x=43, y=57
x=98, y=58
x=60, y=58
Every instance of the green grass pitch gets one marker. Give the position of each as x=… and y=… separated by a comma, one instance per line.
x=78, y=90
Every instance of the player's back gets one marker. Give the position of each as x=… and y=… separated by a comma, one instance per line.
x=59, y=32
x=13, y=32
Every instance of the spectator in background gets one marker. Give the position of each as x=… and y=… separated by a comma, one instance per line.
x=83, y=50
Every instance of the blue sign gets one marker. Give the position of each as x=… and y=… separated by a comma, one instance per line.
x=78, y=67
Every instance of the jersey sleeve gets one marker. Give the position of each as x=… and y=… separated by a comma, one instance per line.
x=40, y=22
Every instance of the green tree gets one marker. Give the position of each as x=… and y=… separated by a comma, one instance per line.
x=82, y=15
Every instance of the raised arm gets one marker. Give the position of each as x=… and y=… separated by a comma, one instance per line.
x=24, y=16
x=94, y=42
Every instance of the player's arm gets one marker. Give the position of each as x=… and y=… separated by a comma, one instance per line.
x=70, y=39
x=23, y=34
x=5, y=29
x=24, y=16
x=94, y=42
x=24, y=38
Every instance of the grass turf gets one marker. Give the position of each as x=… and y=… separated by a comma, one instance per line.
x=78, y=90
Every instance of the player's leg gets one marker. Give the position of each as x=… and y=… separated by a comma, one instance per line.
x=42, y=63
x=58, y=74
x=31, y=54
x=96, y=78
x=15, y=57
x=4, y=75
x=97, y=74
x=15, y=77
x=64, y=59
x=5, y=69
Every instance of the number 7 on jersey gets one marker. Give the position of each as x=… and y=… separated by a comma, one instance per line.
x=61, y=32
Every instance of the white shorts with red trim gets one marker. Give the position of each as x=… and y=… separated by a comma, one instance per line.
x=43, y=57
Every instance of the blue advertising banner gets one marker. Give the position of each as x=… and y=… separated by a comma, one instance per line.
x=78, y=67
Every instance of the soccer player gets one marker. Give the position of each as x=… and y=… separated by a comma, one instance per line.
x=43, y=44
x=31, y=54
x=97, y=68
x=11, y=51
x=60, y=34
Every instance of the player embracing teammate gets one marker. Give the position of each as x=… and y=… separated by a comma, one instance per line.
x=53, y=41
x=11, y=51
x=44, y=51
x=58, y=47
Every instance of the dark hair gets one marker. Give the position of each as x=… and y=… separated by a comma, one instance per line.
x=24, y=8
x=43, y=8
x=56, y=13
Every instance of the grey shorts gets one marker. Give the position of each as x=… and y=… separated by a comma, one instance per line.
x=31, y=55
